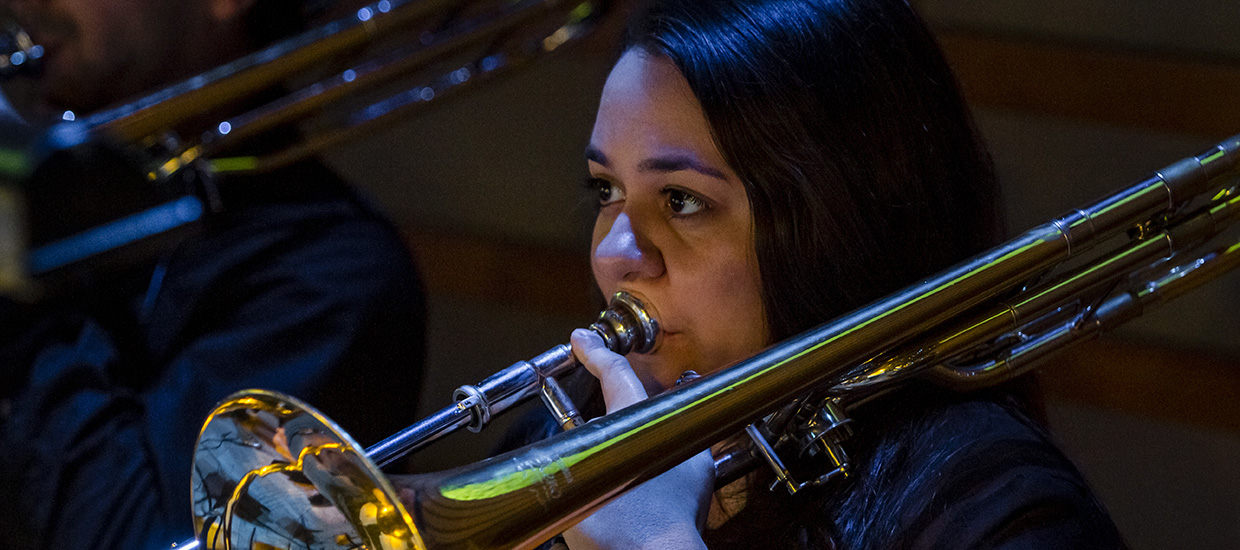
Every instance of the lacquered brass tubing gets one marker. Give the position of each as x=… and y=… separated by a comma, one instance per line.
x=1173, y=282
x=1176, y=240
x=227, y=84
x=519, y=499
x=625, y=325
x=950, y=340
x=351, y=82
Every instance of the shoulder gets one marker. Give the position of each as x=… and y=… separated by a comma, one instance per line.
x=303, y=207
x=297, y=223
x=979, y=473
x=289, y=248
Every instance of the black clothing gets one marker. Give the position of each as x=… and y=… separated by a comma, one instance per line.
x=932, y=471
x=297, y=286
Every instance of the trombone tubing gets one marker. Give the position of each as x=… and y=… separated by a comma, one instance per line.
x=1109, y=314
x=225, y=85
x=488, y=505
x=933, y=354
x=943, y=344
x=372, y=73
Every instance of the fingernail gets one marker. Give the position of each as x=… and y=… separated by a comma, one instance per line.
x=583, y=335
x=688, y=376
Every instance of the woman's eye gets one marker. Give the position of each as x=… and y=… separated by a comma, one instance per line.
x=607, y=192
x=683, y=203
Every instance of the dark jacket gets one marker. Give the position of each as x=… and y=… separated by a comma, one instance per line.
x=936, y=470
x=932, y=470
x=297, y=286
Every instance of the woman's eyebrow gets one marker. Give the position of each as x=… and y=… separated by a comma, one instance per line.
x=671, y=162
x=680, y=161
x=593, y=154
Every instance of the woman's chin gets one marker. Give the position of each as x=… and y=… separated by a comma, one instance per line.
x=660, y=369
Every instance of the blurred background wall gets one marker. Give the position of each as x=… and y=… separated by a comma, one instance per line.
x=1076, y=97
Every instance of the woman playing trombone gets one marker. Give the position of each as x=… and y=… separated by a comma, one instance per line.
x=762, y=166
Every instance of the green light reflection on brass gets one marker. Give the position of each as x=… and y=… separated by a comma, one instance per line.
x=1129, y=198
x=14, y=163
x=1223, y=207
x=1218, y=154
x=526, y=477
x=508, y=483
x=234, y=164
x=581, y=12
x=936, y=290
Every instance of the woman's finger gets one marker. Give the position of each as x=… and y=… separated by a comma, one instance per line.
x=621, y=387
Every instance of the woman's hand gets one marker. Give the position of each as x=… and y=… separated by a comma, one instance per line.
x=666, y=512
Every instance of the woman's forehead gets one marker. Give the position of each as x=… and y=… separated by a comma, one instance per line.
x=639, y=76
x=647, y=104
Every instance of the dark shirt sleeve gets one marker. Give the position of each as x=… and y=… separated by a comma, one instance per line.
x=935, y=471
x=313, y=301
x=1002, y=485
x=73, y=452
x=1013, y=495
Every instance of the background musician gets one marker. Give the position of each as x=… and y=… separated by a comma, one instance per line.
x=297, y=285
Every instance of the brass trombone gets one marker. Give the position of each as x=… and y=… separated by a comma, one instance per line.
x=264, y=458
x=384, y=61
x=270, y=472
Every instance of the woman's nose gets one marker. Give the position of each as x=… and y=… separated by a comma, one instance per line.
x=622, y=256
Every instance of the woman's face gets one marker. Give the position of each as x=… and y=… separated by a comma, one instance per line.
x=674, y=227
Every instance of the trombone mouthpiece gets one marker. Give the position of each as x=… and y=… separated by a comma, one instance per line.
x=18, y=53
x=627, y=325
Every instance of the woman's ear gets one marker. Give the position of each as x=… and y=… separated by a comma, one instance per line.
x=227, y=10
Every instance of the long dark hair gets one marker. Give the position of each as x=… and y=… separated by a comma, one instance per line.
x=864, y=173
x=859, y=157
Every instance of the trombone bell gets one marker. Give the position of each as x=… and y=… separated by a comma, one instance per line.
x=272, y=472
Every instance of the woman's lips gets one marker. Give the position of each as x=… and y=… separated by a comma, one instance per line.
x=663, y=337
